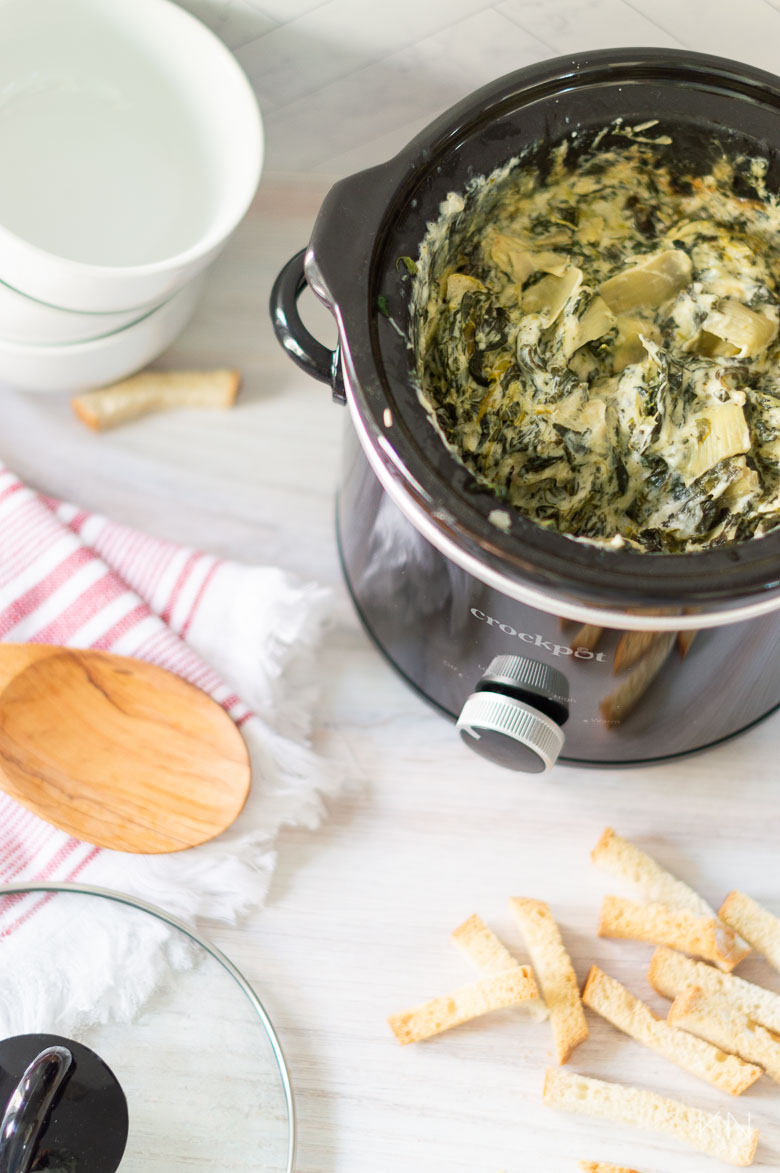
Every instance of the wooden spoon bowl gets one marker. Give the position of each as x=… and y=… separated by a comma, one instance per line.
x=115, y=751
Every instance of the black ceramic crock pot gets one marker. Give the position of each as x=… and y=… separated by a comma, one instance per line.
x=488, y=624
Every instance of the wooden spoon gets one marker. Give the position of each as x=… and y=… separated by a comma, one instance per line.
x=116, y=751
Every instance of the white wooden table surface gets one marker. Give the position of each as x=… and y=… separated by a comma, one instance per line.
x=360, y=911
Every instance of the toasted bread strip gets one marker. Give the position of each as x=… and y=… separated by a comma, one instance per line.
x=620, y=704
x=493, y=993
x=105, y=407
x=704, y=1131
x=618, y=1005
x=587, y=637
x=705, y=937
x=490, y=956
x=671, y=974
x=632, y=647
x=759, y=927
x=684, y=641
x=622, y=858
x=713, y=1017
x=556, y=974
x=603, y=1167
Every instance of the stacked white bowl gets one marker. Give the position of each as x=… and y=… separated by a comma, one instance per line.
x=131, y=146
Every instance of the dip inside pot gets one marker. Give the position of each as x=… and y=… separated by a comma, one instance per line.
x=597, y=342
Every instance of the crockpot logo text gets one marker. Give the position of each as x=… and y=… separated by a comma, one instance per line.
x=537, y=640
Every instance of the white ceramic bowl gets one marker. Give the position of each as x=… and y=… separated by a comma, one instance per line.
x=131, y=146
x=24, y=319
x=81, y=365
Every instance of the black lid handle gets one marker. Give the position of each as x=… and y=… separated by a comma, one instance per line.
x=302, y=347
x=28, y=1107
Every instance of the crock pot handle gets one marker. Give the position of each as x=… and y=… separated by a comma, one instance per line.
x=302, y=347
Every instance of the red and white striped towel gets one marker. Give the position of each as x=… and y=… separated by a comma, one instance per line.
x=246, y=635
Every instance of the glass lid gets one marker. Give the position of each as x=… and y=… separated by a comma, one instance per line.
x=197, y=1078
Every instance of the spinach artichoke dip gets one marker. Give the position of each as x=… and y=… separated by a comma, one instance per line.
x=600, y=348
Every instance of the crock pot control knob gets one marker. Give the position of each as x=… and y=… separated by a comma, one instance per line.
x=515, y=714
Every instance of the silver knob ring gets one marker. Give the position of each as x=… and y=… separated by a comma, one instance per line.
x=491, y=713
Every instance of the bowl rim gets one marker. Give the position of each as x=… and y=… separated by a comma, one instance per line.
x=239, y=201
x=12, y=293
x=9, y=346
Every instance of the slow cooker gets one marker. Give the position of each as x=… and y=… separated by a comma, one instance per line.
x=539, y=647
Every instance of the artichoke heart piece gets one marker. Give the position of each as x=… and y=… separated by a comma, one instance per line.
x=597, y=320
x=549, y=295
x=650, y=282
x=746, y=486
x=577, y=326
x=630, y=347
x=460, y=283
x=710, y=345
x=719, y=432
x=513, y=256
x=747, y=331
x=591, y=230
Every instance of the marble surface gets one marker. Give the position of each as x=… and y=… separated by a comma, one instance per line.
x=360, y=911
